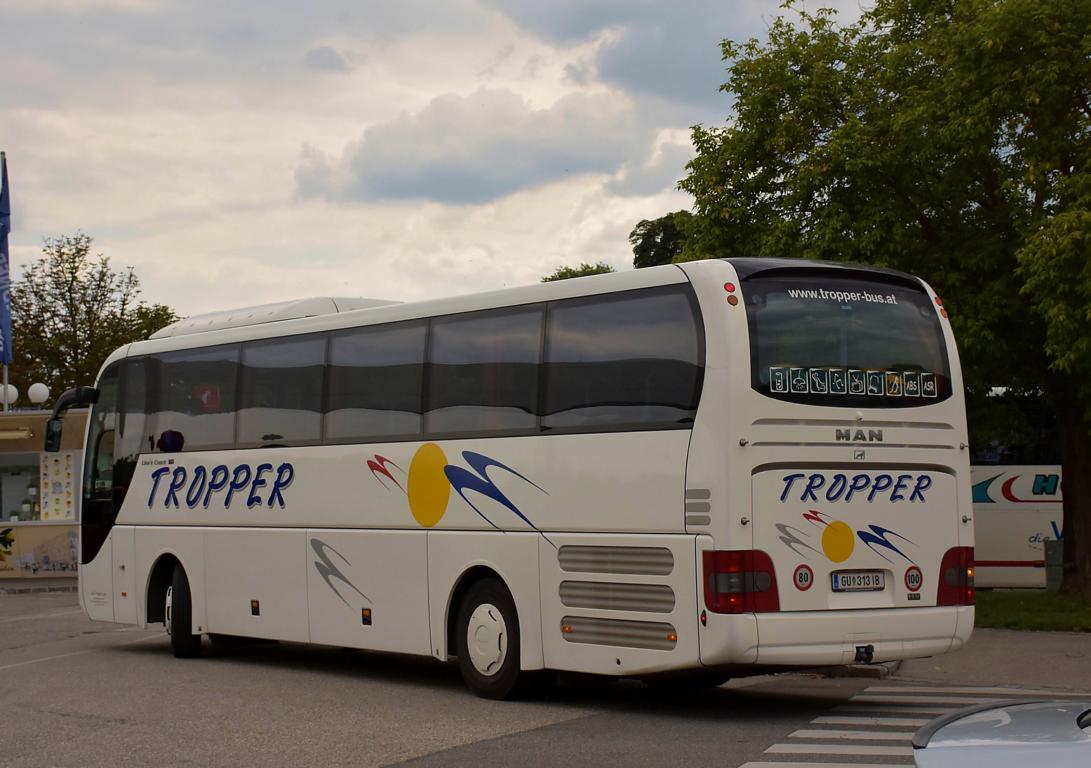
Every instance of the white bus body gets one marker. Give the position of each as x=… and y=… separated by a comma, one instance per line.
x=636, y=534
x=1017, y=509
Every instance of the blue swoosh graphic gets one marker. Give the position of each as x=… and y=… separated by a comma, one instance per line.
x=463, y=480
x=877, y=538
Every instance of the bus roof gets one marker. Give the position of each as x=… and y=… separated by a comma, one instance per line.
x=265, y=313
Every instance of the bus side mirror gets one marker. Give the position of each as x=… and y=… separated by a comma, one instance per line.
x=53, y=429
x=73, y=398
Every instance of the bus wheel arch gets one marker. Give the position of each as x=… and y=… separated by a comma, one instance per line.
x=466, y=581
x=158, y=581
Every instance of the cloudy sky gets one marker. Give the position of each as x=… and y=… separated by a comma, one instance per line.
x=239, y=153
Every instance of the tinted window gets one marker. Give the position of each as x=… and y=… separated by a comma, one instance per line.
x=628, y=360
x=374, y=382
x=483, y=370
x=196, y=402
x=281, y=391
x=852, y=342
x=136, y=431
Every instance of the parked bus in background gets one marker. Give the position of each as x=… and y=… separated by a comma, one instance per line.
x=1017, y=509
x=700, y=470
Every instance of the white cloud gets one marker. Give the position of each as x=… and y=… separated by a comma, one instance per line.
x=453, y=146
x=478, y=148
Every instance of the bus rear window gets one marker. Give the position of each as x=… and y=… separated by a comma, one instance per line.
x=852, y=342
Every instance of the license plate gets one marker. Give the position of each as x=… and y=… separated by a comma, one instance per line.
x=858, y=581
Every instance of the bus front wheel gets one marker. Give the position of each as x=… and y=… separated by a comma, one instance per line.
x=178, y=617
x=488, y=641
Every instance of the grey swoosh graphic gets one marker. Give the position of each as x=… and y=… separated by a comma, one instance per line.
x=328, y=571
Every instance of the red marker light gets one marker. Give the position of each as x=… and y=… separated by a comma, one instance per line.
x=729, y=287
x=939, y=302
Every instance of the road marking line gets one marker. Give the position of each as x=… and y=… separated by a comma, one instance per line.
x=40, y=616
x=877, y=708
x=972, y=690
x=907, y=722
x=839, y=749
x=953, y=700
x=79, y=653
x=767, y=764
x=823, y=733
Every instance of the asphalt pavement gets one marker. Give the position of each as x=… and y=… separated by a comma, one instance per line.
x=81, y=693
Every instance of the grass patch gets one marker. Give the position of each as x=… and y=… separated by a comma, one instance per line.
x=1033, y=609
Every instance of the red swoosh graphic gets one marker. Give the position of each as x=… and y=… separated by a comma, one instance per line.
x=1005, y=490
x=379, y=468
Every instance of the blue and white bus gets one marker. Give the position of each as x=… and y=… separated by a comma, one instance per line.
x=698, y=470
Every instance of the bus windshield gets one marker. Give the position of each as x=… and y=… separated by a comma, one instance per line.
x=848, y=341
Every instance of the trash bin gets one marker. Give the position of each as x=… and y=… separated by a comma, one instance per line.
x=1054, y=558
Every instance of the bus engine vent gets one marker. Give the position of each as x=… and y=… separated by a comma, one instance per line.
x=644, y=561
x=652, y=635
x=646, y=598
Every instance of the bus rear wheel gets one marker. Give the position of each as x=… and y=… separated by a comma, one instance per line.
x=487, y=640
x=178, y=617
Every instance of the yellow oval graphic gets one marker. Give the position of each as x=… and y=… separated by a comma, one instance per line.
x=427, y=487
x=837, y=541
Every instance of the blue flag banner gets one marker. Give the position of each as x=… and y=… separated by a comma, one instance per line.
x=5, y=277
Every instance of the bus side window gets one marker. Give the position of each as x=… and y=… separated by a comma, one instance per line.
x=632, y=360
x=483, y=372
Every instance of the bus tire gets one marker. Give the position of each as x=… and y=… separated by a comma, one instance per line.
x=178, y=617
x=487, y=641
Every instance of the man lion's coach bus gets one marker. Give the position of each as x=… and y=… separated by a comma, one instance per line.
x=686, y=472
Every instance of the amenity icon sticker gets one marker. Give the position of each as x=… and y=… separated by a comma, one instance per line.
x=798, y=381
x=894, y=383
x=857, y=383
x=875, y=383
x=838, y=381
x=928, y=385
x=820, y=381
x=778, y=380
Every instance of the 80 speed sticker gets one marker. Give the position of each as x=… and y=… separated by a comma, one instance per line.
x=803, y=578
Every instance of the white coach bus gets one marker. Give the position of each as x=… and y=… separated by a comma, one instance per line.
x=686, y=472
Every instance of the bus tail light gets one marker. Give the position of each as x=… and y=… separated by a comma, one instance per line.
x=956, y=577
x=740, y=581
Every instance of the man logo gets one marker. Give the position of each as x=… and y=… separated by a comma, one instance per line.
x=860, y=436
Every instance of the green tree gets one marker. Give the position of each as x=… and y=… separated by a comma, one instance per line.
x=659, y=241
x=71, y=310
x=584, y=269
x=948, y=139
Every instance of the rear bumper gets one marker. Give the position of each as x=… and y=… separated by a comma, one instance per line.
x=817, y=638
x=832, y=637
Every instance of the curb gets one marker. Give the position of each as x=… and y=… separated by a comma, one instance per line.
x=874, y=671
x=30, y=588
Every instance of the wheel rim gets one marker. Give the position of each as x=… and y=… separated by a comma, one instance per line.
x=487, y=639
x=167, y=608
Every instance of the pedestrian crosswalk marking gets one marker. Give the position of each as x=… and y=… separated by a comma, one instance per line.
x=824, y=733
x=895, y=710
x=982, y=690
x=767, y=764
x=896, y=722
x=839, y=749
x=955, y=700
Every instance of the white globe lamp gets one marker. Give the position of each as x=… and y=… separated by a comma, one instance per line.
x=9, y=394
x=38, y=393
